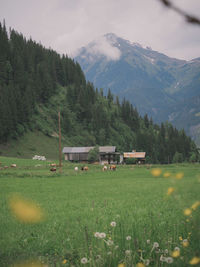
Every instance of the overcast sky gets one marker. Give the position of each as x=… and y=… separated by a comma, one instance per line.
x=66, y=25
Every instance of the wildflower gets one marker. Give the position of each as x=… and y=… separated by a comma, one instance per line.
x=140, y=264
x=169, y=260
x=128, y=237
x=113, y=224
x=166, y=251
x=121, y=265
x=109, y=253
x=177, y=248
x=155, y=245
x=110, y=242
x=162, y=258
x=146, y=262
x=170, y=190
x=167, y=174
x=156, y=172
x=25, y=211
x=64, y=261
x=176, y=253
x=179, y=175
x=185, y=243
x=102, y=235
x=194, y=261
x=187, y=212
x=116, y=247
x=180, y=238
x=96, y=234
x=195, y=205
x=148, y=241
x=128, y=252
x=84, y=260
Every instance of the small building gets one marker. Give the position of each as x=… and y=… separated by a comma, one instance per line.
x=140, y=156
x=107, y=154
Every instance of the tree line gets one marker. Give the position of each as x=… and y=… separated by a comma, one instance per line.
x=31, y=74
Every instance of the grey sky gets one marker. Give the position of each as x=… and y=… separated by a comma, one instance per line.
x=66, y=25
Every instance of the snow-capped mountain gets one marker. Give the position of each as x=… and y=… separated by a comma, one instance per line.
x=156, y=84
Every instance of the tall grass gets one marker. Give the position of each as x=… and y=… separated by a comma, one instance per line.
x=79, y=205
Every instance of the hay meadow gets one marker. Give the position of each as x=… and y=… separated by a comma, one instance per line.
x=135, y=216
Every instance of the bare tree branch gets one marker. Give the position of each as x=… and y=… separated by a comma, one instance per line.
x=188, y=18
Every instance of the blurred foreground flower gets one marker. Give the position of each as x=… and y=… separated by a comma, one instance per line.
x=170, y=190
x=25, y=210
x=185, y=243
x=140, y=264
x=121, y=265
x=194, y=261
x=156, y=172
x=176, y=253
x=179, y=175
x=195, y=205
x=187, y=212
x=167, y=174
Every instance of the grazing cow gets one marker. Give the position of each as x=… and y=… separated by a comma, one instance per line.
x=76, y=169
x=5, y=167
x=104, y=168
x=53, y=164
x=85, y=168
x=113, y=167
x=53, y=169
x=13, y=165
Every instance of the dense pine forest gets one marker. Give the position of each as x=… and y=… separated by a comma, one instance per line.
x=32, y=77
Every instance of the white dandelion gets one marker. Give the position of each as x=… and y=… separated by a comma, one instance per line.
x=148, y=241
x=102, y=235
x=169, y=260
x=166, y=251
x=155, y=245
x=113, y=224
x=109, y=242
x=96, y=234
x=162, y=258
x=128, y=237
x=177, y=248
x=84, y=260
x=146, y=262
x=128, y=252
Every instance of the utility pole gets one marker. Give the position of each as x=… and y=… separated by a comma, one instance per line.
x=60, y=152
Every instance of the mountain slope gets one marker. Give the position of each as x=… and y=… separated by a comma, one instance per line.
x=153, y=82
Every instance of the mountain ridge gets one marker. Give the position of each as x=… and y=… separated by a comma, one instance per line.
x=152, y=81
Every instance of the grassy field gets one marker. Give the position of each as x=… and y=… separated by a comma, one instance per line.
x=95, y=218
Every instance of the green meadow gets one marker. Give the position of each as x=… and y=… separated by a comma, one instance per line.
x=126, y=217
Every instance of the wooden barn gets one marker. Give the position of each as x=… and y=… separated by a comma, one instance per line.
x=107, y=154
x=140, y=156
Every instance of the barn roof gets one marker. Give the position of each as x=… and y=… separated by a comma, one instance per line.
x=102, y=149
x=137, y=155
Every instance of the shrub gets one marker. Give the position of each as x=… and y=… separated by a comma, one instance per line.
x=93, y=155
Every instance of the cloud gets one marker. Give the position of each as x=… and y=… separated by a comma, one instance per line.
x=66, y=25
x=102, y=46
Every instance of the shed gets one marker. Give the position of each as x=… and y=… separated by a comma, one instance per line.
x=140, y=156
x=107, y=154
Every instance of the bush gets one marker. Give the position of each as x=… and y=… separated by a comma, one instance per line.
x=131, y=161
x=93, y=155
x=178, y=158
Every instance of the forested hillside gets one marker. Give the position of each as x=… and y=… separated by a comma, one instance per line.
x=36, y=83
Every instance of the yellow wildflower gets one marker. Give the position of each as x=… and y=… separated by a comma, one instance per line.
x=176, y=253
x=121, y=265
x=25, y=210
x=195, y=205
x=140, y=264
x=167, y=174
x=170, y=190
x=185, y=243
x=64, y=261
x=156, y=172
x=180, y=238
x=194, y=261
x=179, y=175
x=187, y=212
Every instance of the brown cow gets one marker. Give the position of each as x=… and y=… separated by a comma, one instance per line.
x=113, y=167
x=85, y=168
x=53, y=169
